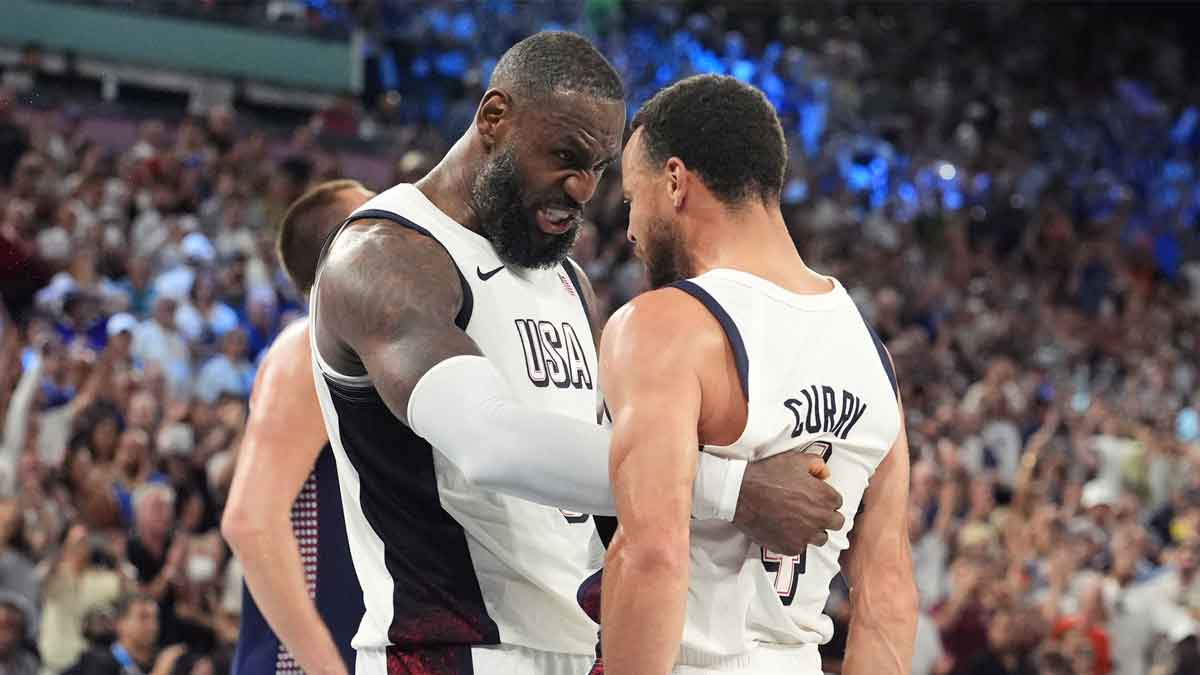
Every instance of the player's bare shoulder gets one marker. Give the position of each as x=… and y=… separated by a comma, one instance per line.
x=663, y=324
x=287, y=359
x=377, y=278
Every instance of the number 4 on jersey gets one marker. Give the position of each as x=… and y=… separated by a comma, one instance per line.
x=787, y=570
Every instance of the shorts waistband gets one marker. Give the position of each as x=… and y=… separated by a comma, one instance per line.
x=762, y=655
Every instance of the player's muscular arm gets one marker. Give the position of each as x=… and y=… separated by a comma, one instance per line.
x=879, y=567
x=653, y=388
x=388, y=298
x=283, y=436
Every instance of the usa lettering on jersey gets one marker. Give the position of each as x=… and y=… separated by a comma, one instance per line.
x=819, y=409
x=553, y=354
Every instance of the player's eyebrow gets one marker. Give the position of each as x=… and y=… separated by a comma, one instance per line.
x=589, y=146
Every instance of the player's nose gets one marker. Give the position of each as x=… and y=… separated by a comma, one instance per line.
x=581, y=185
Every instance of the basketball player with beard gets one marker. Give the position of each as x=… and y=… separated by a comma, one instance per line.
x=743, y=349
x=284, y=519
x=455, y=364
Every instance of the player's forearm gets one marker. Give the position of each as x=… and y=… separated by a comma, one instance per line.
x=883, y=627
x=643, y=606
x=505, y=446
x=274, y=573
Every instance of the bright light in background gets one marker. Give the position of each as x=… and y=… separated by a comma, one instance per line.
x=946, y=171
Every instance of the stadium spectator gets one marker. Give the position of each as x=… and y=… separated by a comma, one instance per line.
x=16, y=656
x=1008, y=191
x=76, y=583
x=135, y=648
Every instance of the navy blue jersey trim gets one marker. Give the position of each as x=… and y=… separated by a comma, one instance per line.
x=731, y=330
x=569, y=267
x=468, y=300
x=339, y=596
x=883, y=354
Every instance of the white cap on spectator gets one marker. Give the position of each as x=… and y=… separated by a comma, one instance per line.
x=175, y=440
x=122, y=322
x=196, y=246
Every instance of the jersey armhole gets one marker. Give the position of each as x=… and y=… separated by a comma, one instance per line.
x=468, y=300
x=462, y=319
x=732, y=334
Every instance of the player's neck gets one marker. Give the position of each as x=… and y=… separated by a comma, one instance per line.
x=449, y=184
x=753, y=239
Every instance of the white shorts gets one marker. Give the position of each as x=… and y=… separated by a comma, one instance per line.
x=763, y=660
x=493, y=660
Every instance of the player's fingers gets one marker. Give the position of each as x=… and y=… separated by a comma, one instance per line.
x=827, y=496
x=835, y=521
x=819, y=469
x=819, y=538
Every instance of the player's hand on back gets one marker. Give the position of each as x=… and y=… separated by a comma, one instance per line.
x=786, y=505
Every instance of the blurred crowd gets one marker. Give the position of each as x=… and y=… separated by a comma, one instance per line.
x=1009, y=192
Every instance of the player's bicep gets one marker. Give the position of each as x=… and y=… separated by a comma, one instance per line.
x=879, y=544
x=391, y=297
x=396, y=364
x=653, y=395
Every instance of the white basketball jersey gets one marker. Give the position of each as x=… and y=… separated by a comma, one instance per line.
x=441, y=561
x=816, y=377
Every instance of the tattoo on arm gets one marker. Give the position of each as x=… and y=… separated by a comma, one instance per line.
x=388, y=298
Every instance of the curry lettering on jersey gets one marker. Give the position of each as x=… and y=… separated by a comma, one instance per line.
x=554, y=354
x=819, y=409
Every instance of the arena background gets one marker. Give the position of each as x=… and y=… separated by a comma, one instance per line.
x=1009, y=190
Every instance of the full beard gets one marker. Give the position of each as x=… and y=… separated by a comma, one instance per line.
x=508, y=224
x=664, y=254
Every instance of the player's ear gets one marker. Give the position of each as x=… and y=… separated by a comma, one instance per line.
x=678, y=179
x=493, y=116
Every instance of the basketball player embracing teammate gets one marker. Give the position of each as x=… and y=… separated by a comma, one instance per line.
x=455, y=368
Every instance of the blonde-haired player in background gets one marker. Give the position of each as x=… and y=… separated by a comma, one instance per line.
x=284, y=516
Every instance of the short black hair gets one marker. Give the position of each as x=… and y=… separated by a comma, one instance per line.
x=556, y=61
x=304, y=227
x=724, y=130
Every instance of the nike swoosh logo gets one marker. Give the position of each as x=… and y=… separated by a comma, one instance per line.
x=484, y=276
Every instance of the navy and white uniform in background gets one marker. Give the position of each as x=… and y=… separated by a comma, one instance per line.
x=320, y=531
